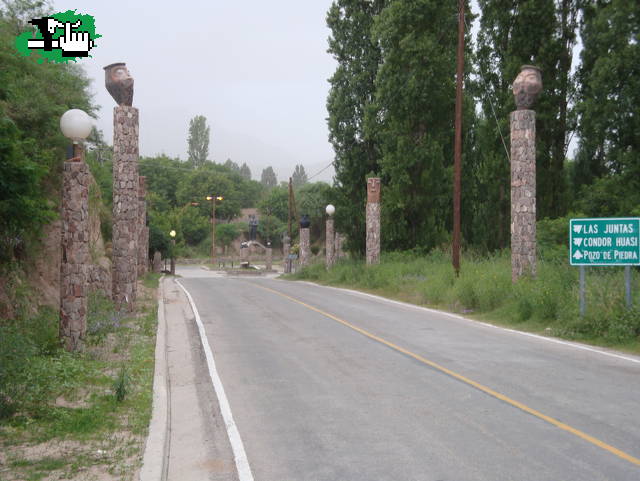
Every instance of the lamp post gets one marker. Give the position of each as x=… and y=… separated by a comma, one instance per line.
x=330, y=237
x=213, y=199
x=173, y=246
x=75, y=125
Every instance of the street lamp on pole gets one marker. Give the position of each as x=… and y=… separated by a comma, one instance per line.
x=76, y=125
x=173, y=246
x=330, y=241
x=213, y=199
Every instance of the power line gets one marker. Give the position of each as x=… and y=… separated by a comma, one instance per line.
x=321, y=171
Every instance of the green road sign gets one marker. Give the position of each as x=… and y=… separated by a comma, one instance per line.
x=605, y=242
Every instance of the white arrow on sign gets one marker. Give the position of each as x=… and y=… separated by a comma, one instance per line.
x=577, y=229
x=577, y=242
x=578, y=255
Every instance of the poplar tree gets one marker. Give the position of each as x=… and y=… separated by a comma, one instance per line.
x=607, y=166
x=198, y=141
x=299, y=177
x=357, y=152
x=268, y=178
x=245, y=171
x=414, y=118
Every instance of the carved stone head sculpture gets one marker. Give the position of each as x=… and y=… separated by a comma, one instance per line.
x=119, y=83
x=373, y=189
x=527, y=86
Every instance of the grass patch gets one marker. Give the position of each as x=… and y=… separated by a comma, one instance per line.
x=151, y=280
x=545, y=304
x=72, y=406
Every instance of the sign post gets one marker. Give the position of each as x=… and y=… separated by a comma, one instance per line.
x=604, y=242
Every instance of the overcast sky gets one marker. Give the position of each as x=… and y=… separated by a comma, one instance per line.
x=256, y=70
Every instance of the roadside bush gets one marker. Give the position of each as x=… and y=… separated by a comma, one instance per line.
x=102, y=318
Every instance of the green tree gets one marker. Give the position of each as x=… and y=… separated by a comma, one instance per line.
x=268, y=178
x=198, y=141
x=22, y=211
x=33, y=96
x=276, y=203
x=357, y=151
x=245, y=171
x=299, y=177
x=232, y=166
x=163, y=175
x=226, y=234
x=195, y=186
x=414, y=117
x=607, y=164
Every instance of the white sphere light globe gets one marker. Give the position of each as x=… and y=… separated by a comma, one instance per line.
x=330, y=210
x=76, y=124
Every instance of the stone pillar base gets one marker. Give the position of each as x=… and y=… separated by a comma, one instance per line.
x=330, y=244
x=523, y=193
x=125, y=206
x=373, y=233
x=305, y=246
x=75, y=255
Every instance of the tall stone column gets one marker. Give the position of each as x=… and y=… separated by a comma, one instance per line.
x=305, y=240
x=269, y=260
x=338, y=243
x=143, y=231
x=125, y=205
x=286, y=247
x=330, y=244
x=373, y=221
x=523, y=173
x=305, y=246
x=75, y=254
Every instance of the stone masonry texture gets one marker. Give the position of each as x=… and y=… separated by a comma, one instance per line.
x=143, y=239
x=125, y=206
x=373, y=221
x=523, y=193
x=305, y=246
x=330, y=246
x=75, y=255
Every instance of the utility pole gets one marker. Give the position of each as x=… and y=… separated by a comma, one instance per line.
x=457, y=160
x=290, y=207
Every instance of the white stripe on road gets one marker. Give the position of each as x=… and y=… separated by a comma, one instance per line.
x=242, y=463
x=575, y=345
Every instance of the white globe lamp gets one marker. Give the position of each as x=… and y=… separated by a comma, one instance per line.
x=330, y=210
x=76, y=125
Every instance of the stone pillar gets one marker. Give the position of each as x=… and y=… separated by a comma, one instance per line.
x=286, y=247
x=305, y=246
x=373, y=221
x=125, y=205
x=143, y=239
x=330, y=244
x=340, y=240
x=75, y=255
x=269, y=262
x=244, y=254
x=157, y=262
x=523, y=193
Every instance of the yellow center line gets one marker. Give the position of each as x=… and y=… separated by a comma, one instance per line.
x=466, y=380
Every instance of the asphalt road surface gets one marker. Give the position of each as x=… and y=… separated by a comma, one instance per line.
x=326, y=384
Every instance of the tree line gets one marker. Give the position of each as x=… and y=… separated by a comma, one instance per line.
x=391, y=113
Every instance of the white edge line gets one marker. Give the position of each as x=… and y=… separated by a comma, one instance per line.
x=242, y=463
x=480, y=323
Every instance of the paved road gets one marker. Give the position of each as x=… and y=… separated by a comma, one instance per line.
x=326, y=384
